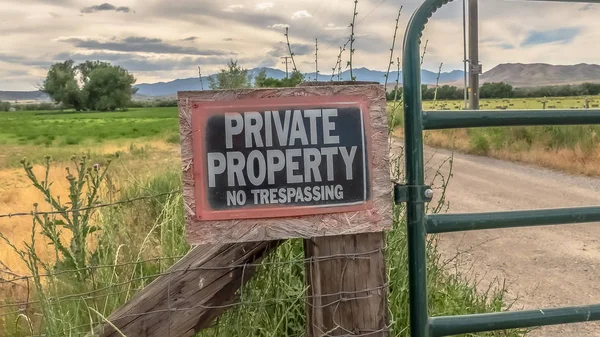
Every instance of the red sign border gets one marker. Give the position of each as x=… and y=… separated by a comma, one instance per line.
x=202, y=110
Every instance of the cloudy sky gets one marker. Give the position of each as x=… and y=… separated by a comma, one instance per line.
x=160, y=40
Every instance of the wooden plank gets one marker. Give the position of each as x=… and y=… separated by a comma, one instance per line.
x=347, y=287
x=191, y=294
x=376, y=219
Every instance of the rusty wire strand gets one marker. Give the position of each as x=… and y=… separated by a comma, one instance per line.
x=353, y=256
x=356, y=256
x=32, y=213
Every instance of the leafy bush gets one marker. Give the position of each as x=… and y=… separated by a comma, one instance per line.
x=479, y=143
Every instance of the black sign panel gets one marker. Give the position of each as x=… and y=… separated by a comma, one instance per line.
x=285, y=161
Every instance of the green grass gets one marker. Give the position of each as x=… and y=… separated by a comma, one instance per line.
x=71, y=128
x=518, y=103
x=133, y=235
x=396, y=110
x=584, y=139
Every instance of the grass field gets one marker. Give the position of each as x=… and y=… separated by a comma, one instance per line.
x=519, y=103
x=574, y=149
x=132, y=237
x=60, y=134
x=72, y=128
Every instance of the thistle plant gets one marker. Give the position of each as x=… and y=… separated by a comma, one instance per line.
x=437, y=84
x=316, y=59
x=355, y=13
x=424, y=52
x=338, y=63
x=287, y=39
x=73, y=216
x=387, y=74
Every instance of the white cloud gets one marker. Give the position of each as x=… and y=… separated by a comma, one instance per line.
x=301, y=14
x=331, y=26
x=256, y=31
x=264, y=6
x=278, y=26
x=233, y=8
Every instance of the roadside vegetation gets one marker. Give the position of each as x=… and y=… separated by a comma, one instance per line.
x=63, y=274
x=573, y=149
x=72, y=285
x=501, y=90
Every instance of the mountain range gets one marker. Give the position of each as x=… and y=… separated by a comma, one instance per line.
x=536, y=74
x=361, y=74
x=516, y=74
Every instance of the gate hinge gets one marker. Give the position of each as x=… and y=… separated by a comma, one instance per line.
x=402, y=193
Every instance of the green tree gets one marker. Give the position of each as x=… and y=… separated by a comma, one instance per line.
x=4, y=106
x=262, y=81
x=85, y=69
x=292, y=81
x=396, y=93
x=108, y=87
x=92, y=85
x=234, y=77
x=496, y=90
x=60, y=84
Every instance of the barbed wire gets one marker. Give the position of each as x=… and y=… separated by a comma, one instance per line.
x=89, y=268
x=353, y=256
x=351, y=334
x=343, y=296
x=120, y=202
x=111, y=291
x=116, y=293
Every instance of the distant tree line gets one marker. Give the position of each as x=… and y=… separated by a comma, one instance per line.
x=504, y=90
x=8, y=106
x=96, y=85
x=236, y=77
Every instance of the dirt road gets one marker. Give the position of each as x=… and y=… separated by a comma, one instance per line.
x=544, y=267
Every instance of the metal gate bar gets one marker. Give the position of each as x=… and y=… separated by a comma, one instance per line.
x=433, y=120
x=445, y=223
x=414, y=193
x=454, y=325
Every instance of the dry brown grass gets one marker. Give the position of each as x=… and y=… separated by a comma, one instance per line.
x=574, y=161
x=17, y=194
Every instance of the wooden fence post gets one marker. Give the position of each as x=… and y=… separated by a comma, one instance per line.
x=347, y=286
x=191, y=294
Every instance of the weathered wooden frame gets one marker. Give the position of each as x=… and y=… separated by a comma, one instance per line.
x=376, y=219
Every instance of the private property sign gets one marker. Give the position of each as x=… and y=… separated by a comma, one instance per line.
x=282, y=163
x=281, y=157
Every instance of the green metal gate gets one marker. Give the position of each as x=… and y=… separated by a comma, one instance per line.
x=416, y=194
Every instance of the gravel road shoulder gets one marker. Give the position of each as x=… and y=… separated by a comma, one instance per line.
x=544, y=267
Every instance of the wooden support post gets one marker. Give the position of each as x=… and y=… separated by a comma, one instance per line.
x=191, y=294
x=347, y=286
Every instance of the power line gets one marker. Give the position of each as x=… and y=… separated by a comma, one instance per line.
x=286, y=62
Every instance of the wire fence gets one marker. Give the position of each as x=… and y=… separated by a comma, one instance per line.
x=125, y=290
x=275, y=301
x=102, y=205
x=62, y=302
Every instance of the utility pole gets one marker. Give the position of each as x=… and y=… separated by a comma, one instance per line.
x=465, y=60
x=200, y=78
x=286, y=62
x=475, y=68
